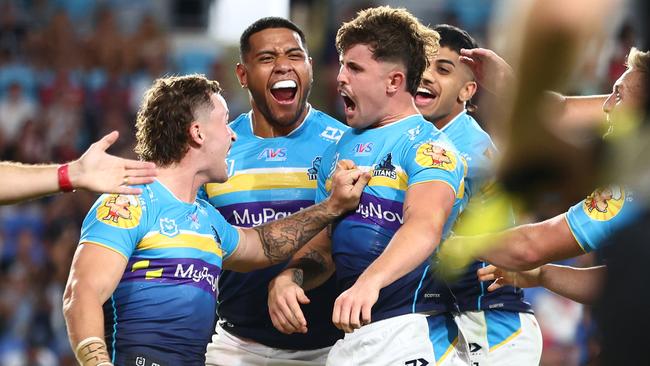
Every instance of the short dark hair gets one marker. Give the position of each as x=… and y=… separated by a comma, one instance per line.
x=393, y=34
x=164, y=118
x=454, y=38
x=267, y=23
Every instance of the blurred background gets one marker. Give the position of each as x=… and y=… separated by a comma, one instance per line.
x=73, y=70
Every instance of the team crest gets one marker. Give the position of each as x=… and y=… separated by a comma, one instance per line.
x=312, y=173
x=604, y=203
x=433, y=155
x=168, y=227
x=120, y=210
x=385, y=168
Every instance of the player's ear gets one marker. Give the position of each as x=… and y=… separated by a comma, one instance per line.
x=196, y=134
x=396, y=80
x=467, y=92
x=240, y=71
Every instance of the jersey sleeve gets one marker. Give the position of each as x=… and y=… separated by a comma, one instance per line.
x=225, y=233
x=599, y=215
x=116, y=222
x=433, y=160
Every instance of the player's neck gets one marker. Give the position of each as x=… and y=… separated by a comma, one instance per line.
x=262, y=127
x=181, y=181
x=447, y=119
x=397, y=110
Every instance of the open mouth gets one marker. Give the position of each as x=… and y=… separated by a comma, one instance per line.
x=424, y=96
x=350, y=105
x=284, y=91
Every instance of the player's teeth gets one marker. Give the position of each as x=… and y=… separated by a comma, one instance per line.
x=284, y=84
x=423, y=90
x=343, y=94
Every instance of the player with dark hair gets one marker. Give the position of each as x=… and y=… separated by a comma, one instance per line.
x=499, y=326
x=273, y=169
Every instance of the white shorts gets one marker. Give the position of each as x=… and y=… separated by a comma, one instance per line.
x=502, y=338
x=411, y=340
x=226, y=349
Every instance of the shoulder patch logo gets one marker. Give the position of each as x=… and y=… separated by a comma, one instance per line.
x=385, y=168
x=120, y=210
x=312, y=173
x=604, y=203
x=433, y=155
x=332, y=133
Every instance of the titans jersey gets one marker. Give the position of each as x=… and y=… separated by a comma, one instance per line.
x=270, y=179
x=476, y=147
x=603, y=212
x=163, y=308
x=400, y=155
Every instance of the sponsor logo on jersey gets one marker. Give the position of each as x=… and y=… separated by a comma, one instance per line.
x=197, y=274
x=312, y=173
x=385, y=168
x=332, y=133
x=271, y=154
x=168, y=227
x=604, y=203
x=250, y=218
x=363, y=149
x=377, y=211
x=434, y=155
x=119, y=210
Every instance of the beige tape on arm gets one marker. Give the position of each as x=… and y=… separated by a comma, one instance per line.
x=92, y=351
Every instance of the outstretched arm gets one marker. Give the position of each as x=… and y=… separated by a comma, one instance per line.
x=517, y=249
x=529, y=246
x=578, y=284
x=95, y=171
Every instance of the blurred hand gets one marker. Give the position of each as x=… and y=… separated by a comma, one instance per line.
x=490, y=70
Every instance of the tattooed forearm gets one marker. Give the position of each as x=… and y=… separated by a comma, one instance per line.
x=281, y=238
x=297, y=276
x=309, y=269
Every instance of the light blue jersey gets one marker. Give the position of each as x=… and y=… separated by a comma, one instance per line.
x=602, y=213
x=271, y=178
x=163, y=308
x=400, y=155
x=478, y=150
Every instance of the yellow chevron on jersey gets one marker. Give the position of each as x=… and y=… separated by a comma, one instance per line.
x=120, y=210
x=434, y=155
x=400, y=182
x=185, y=239
x=261, y=181
x=604, y=203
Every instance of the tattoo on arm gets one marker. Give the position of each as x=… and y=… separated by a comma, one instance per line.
x=297, y=276
x=281, y=238
x=311, y=265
